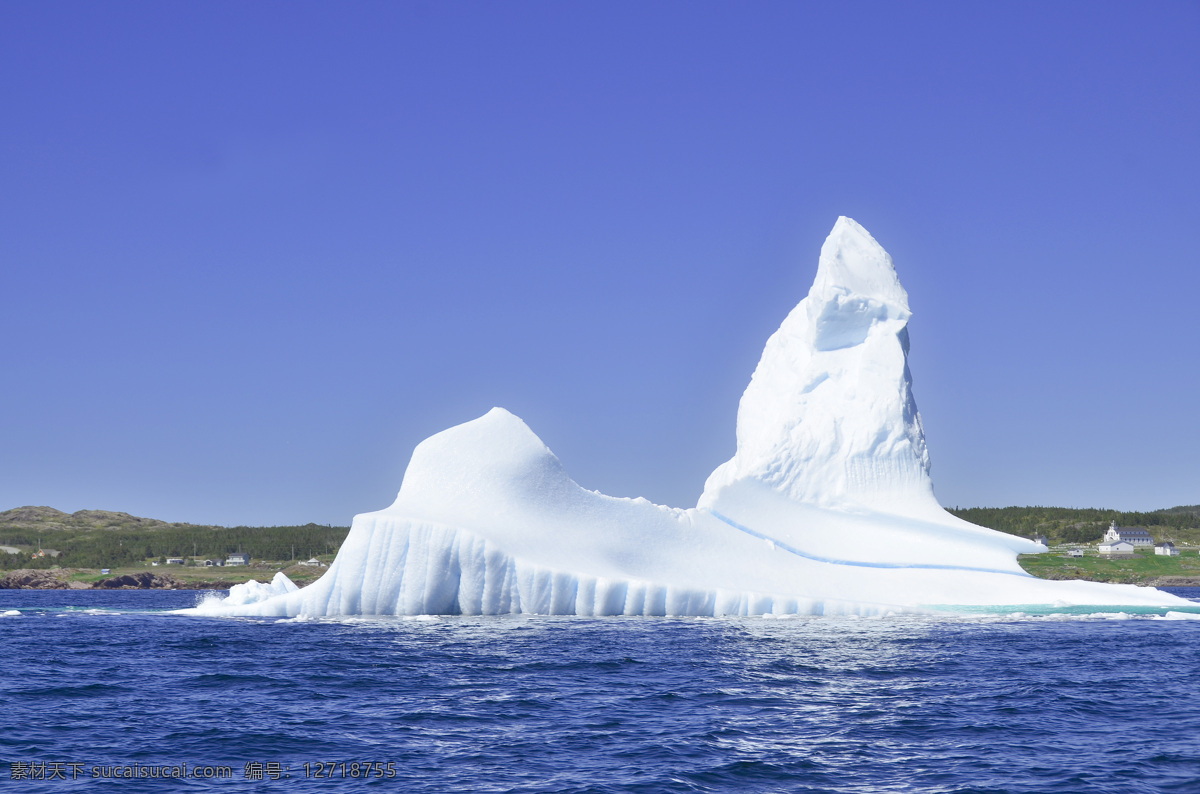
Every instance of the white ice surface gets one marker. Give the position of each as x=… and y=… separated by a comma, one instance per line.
x=827, y=507
x=254, y=591
x=829, y=417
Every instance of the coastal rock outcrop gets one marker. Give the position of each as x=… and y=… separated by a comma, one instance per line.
x=29, y=579
x=144, y=580
x=32, y=579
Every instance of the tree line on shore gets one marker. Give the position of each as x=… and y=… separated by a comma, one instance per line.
x=1082, y=525
x=114, y=548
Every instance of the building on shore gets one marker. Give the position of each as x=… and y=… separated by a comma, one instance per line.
x=1138, y=537
x=1117, y=548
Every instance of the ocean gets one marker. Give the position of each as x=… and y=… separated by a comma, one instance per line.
x=103, y=691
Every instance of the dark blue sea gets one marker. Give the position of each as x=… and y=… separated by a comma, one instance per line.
x=102, y=691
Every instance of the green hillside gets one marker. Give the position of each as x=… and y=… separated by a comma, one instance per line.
x=1085, y=525
x=103, y=539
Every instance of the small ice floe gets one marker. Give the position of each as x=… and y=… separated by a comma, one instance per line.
x=1172, y=615
x=11, y=613
x=253, y=591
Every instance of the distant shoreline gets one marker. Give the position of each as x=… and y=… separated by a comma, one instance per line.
x=126, y=579
x=82, y=579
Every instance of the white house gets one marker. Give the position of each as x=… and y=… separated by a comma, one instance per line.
x=238, y=559
x=1116, y=548
x=1166, y=549
x=1138, y=537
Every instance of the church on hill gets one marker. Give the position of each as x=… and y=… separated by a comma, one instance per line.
x=1138, y=537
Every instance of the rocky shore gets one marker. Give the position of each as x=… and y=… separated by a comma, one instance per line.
x=28, y=579
x=1174, y=581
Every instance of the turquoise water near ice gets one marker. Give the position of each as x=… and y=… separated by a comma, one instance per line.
x=109, y=683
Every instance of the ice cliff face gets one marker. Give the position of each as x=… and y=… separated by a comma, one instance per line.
x=827, y=506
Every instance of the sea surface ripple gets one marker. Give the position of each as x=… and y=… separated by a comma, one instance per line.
x=989, y=703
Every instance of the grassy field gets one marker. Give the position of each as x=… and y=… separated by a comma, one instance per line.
x=1144, y=567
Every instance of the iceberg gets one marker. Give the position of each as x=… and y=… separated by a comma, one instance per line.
x=826, y=508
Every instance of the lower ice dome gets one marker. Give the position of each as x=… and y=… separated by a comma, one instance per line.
x=827, y=507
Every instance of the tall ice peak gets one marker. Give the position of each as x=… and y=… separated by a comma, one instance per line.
x=853, y=262
x=829, y=416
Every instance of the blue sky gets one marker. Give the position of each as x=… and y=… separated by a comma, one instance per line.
x=252, y=253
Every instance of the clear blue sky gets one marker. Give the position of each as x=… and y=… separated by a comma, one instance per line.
x=252, y=253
